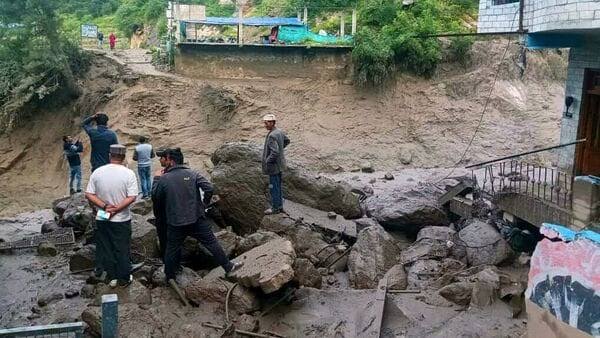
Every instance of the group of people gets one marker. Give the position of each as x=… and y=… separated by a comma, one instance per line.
x=180, y=196
x=112, y=40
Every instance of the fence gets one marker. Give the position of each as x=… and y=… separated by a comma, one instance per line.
x=51, y=331
x=518, y=177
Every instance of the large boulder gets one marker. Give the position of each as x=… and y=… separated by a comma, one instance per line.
x=409, y=210
x=423, y=273
x=459, y=292
x=244, y=192
x=77, y=213
x=251, y=241
x=83, y=258
x=374, y=253
x=213, y=288
x=142, y=207
x=484, y=244
x=396, y=277
x=268, y=266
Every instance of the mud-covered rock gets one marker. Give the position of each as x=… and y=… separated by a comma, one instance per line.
x=373, y=254
x=243, y=188
x=396, y=278
x=408, y=211
x=135, y=293
x=183, y=278
x=83, y=258
x=49, y=226
x=142, y=207
x=268, y=266
x=213, y=288
x=432, y=243
x=424, y=273
x=77, y=213
x=47, y=249
x=486, y=287
x=484, y=244
x=247, y=323
x=306, y=274
x=143, y=237
x=459, y=292
x=48, y=298
x=365, y=222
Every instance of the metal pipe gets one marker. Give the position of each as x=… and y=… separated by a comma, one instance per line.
x=526, y=153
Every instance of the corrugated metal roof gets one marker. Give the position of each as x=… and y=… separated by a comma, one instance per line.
x=252, y=21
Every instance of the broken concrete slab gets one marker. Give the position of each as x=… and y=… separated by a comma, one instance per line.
x=253, y=240
x=460, y=189
x=369, y=324
x=213, y=288
x=268, y=266
x=320, y=219
x=373, y=254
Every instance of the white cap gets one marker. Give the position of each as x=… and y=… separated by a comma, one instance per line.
x=269, y=117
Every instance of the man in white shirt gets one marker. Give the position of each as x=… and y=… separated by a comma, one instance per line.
x=112, y=188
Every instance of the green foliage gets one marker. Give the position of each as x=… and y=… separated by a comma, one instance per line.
x=396, y=32
x=37, y=64
x=459, y=49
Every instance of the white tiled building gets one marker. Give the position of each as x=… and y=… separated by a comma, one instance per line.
x=573, y=24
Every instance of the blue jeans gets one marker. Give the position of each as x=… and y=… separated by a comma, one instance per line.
x=275, y=190
x=75, y=174
x=145, y=180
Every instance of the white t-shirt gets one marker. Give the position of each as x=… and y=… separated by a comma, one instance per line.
x=112, y=183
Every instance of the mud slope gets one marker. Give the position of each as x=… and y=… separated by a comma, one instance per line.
x=414, y=123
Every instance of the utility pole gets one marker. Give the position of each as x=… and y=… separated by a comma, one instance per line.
x=240, y=18
x=305, y=15
x=353, y=21
x=342, y=26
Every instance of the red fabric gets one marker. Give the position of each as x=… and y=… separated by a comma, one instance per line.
x=112, y=40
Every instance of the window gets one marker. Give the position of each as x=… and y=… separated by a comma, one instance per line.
x=503, y=2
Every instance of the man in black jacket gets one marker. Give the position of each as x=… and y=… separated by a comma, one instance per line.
x=176, y=192
x=72, y=149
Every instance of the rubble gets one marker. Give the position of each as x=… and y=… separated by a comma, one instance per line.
x=238, y=165
x=373, y=254
x=247, y=323
x=485, y=288
x=459, y=292
x=75, y=213
x=142, y=207
x=268, y=266
x=213, y=288
x=305, y=274
x=253, y=240
x=484, y=245
x=49, y=226
x=432, y=243
x=409, y=210
x=396, y=278
x=143, y=237
x=135, y=293
x=48, y=298
x=423, y=273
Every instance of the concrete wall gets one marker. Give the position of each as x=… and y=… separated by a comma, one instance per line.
x=564, y=284
x=579, y=60
x=258, y=61
x=539, y=15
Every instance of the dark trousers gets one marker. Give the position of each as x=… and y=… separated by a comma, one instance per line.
x=113, y=248
x=275, y=190
x=161, y=232
x=203, y=233
x=75, y=176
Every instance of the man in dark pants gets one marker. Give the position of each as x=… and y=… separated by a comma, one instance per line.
x=112, y=189
x=273, y=162
x=177, y=190
x=72, y=149
x=101, y=138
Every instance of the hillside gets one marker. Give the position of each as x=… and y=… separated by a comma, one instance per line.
x=334, y=126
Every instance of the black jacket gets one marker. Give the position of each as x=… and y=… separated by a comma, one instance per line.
x=177, y=194
x=72, y=151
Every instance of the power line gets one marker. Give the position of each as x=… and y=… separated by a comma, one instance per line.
x=485, y=106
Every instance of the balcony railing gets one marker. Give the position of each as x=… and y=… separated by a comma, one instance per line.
x=519, y=177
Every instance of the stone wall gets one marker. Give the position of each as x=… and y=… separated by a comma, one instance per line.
x=539, y=15
x=258, y=61
x=579, y=60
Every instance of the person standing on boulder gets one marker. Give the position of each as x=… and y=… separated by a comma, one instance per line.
x=176, y=190
x=101, y=138
x=72, y=149
x=112, y=189
x=144, y=154
x=273, y=162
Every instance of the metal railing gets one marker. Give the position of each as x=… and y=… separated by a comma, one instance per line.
x=67, y=330
x=519, y=177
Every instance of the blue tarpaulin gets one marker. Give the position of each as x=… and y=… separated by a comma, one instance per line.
x=253, y=21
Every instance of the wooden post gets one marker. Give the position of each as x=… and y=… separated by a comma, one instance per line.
x=110, y=316
x=240, y=26
x=342, y=26
x=305, y=15
x=353, y=21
